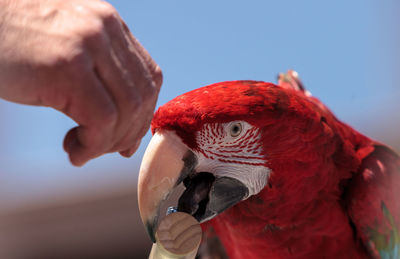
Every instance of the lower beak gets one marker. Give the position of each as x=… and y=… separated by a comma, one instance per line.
x=168, y=162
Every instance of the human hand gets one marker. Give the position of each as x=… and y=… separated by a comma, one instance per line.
x=79, y=58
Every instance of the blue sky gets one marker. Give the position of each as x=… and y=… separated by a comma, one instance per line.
x=345, y=51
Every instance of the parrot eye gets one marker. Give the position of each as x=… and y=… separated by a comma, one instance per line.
x=235, y=129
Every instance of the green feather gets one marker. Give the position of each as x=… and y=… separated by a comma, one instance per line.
x=387, y=244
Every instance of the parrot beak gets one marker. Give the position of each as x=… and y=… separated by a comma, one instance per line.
x=162, y=166
x=168, y=162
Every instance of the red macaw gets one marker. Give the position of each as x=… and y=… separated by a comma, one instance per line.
x=273, y=173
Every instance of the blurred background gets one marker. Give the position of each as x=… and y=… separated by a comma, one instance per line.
x=346, y=52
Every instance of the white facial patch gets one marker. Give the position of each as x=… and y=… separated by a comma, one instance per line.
x=233, y=150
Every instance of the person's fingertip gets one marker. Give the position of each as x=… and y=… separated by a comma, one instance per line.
x=129, y=152
x=73, y=147
x=125, y=153
x=70, y=140
x=77, y=156
x=76, y=162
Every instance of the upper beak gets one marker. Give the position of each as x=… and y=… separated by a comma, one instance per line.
x=166, y=163
x=162, y=165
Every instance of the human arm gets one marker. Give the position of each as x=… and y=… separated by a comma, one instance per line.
x=80, y=58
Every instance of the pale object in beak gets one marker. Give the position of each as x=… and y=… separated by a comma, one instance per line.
x=178, y=237
x=160, y=170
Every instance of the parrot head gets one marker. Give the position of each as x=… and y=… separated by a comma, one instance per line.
x=227, y=143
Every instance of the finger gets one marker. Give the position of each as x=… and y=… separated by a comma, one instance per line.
x=129, y=152
x=134, y=136
x=121, y=85
x=109, y=14
x=122, y=68
x=127, y=78
x=153, y=67
x=139, y=66
x=92, y=108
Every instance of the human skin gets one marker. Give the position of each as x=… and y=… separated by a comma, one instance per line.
x=79, y=58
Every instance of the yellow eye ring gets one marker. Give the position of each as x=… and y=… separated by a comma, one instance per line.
x=235, y=129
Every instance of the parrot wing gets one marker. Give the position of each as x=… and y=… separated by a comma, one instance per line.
x=373, y=202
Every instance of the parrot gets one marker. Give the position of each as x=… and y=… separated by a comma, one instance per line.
x=270, y=172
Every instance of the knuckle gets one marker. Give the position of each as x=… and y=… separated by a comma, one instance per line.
x=93, y=29
x=88, y=23
x=157, y=77
x=106, y=10
x=78, y=59
x=74, y=62
x=72, y=59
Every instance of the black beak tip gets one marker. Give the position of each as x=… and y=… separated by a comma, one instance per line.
x=150, y=227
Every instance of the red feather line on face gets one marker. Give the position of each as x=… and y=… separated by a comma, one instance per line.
x=243, y=141
x=213, y=133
